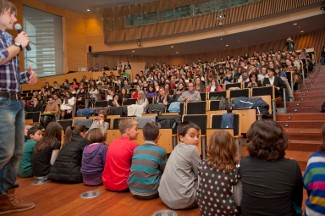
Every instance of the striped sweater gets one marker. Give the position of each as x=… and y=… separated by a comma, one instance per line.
x=314, y=183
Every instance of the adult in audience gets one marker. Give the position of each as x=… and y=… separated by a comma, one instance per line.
x=190, y=95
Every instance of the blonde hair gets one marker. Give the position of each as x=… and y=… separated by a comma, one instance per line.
x=222, y=152
x=125, y=124
x=7, y=5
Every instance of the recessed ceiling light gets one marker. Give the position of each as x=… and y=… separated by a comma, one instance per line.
x=133, y=51
x=171, y=46
x=227, y=45
x=177, y=52
x=302, y=31
x=88, y=10
x=295, y=24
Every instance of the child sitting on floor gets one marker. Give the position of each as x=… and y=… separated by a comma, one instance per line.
x=217, y=175
x=94, y=157
x=148, y=163
x=34, y=134
x=178, y=183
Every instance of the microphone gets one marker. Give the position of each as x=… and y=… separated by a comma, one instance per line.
x=20, y=29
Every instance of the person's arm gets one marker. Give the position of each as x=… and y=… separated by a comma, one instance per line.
x=182, y=98
x=297, y=192
x=10, y=52
x=54, y=155
x=195, y=159
x=197, y=96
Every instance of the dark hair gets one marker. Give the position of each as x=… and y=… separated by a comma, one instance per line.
x=150, y=131
x=32, y=131
x=322, y=146
x=53, y=133
x=271, y=69
x=96, y=135
x=73, y=130
x=267, y=140
x=183, y=127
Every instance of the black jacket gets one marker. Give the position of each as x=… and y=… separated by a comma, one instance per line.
x=66, y=167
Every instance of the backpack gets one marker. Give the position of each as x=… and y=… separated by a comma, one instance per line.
x=174, y=107
x=223, y=102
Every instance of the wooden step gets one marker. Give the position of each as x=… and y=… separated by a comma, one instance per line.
x=310, y=93
x=300, y=116
x=300, y=156
x=306, y=103
x=302, y=123
x=304, y=145
x=309, y=98
x=303, y=133
x=301, y=109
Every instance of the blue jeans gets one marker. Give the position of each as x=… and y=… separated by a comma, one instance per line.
x=12, y=124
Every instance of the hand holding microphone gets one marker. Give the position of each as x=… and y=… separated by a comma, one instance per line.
x=22, y=38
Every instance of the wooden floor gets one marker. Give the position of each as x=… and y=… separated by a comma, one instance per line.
x=64, y=199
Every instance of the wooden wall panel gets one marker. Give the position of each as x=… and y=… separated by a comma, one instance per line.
x=314, y=39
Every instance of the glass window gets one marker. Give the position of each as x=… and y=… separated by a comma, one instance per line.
x=166, y=15
x=182, y=12
x=45, y=33
x=149, y=18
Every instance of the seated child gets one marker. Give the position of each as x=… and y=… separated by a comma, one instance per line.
x=68, y=163
x=119, y=157
x=93, y=157
x=217, y=175
x=178, y=183
x=148, y=163
x=46, y=150
x=34, y=135
x=314, y=181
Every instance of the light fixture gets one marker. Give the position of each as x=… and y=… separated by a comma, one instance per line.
x=295, y=24
x=139, y=43
x=133, y=51
x=221, y=16
x=172, y=46
x=302, y=31
x=177, y=52
x=88, y=10
x=227, y=45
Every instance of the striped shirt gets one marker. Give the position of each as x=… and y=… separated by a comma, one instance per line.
x=148, y=163
x=10, y=77
x=314, y=183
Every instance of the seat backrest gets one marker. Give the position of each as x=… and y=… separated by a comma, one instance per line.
x=218, y=93
x=217, y=119
x=65, y=123
x=199, y=119
x=265, y=90
x=239, y=93
x=230, y=85
x=102, y=103
x=196, y=107
x=130, y=101
x=36, y=116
